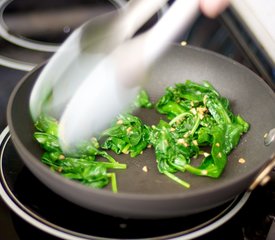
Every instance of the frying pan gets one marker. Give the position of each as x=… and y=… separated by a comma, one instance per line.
x=151, y=194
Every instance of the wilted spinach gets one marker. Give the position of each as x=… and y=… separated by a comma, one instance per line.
x=197, y=117
x=127, y=135
x=81, y=165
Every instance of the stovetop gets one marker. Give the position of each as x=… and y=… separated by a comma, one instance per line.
x=35, y=212
x=29, y=210
x=32, y=31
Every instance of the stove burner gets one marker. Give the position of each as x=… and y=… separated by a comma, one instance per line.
x=32, y=30
x=19, y=40
x=48, y=212
x=23, y=51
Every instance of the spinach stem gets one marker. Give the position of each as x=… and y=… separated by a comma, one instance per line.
x=179, y=117
x=176, y=179
x=196, y=125
x=113, y=181
x=194, y=170
x=115, y=165
x=107, y=156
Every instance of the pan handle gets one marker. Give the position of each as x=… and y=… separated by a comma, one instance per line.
x=264, y=176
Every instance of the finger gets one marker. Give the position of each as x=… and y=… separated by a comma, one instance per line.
x=212, y=8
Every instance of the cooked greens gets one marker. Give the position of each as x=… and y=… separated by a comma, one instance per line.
x=81, y=165
x=128, y=135
x=197, y=117
x=143, y=100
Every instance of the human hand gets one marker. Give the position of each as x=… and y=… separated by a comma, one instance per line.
x=212, y=8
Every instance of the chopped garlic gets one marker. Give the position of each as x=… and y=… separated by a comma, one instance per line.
x=145, y=169
x=201, y=110
x=201, y=116
x=241, y=160
x=172, y=129
x=183, y=142
x=186, y=134
x=183, y=43
x=193, y=110
x=206, y=154
x=119, y=122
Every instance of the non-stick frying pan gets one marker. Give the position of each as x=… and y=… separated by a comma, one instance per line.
x=151, y=194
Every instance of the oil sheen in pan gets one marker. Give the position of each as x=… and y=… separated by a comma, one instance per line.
x=43, y=209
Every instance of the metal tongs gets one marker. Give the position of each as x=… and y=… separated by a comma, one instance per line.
x=105, y=80
x=82, y=50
